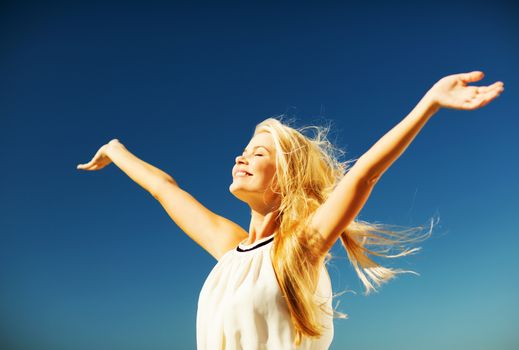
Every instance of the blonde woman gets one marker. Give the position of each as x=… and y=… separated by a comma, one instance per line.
x=270, y=288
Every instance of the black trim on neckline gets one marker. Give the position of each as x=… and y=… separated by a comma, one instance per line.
x=256, y=246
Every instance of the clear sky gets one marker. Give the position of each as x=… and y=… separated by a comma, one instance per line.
x=89, y=260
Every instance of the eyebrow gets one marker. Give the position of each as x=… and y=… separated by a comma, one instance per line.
x=257, y=147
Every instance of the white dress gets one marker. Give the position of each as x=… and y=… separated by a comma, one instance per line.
x=241, y=305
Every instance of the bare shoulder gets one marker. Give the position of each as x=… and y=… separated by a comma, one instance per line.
x=213, y=232
x=229, y=234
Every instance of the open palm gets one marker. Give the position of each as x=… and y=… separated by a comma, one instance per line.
x=452, y=91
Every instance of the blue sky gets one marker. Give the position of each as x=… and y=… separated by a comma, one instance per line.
x=89, y=260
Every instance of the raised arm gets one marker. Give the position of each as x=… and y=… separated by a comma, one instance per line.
x=449, y=92
x=213, y=232
x=146, y=175
x=352, y=192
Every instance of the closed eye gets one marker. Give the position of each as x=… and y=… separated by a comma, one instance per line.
x=257, y=154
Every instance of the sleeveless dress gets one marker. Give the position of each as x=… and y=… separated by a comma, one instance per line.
x=241, y=305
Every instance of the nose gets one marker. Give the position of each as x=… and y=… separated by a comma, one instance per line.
x=240, y=159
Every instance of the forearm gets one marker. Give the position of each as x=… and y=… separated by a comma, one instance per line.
x=383, y=154
x=145, y=174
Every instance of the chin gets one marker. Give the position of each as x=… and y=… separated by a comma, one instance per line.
x=235, y=191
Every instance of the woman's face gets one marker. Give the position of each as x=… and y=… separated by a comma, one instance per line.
x=258, y=160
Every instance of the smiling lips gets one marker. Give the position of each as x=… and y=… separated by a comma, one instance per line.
x=242, y=173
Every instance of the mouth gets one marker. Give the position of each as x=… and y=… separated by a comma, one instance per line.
x=242, y=174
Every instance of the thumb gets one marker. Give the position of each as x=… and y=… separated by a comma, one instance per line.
x=472, y=76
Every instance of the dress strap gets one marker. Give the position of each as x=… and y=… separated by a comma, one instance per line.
x=261, y=242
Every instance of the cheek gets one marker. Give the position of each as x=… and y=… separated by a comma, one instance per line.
x=270, y=175
x=264, y=171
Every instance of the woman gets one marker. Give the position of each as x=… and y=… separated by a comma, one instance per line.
x=270, y=288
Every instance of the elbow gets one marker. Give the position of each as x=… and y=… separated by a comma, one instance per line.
x=366, y=172
x=367, y=178
x=161, y=187
x=365, y=175
x=373, y=179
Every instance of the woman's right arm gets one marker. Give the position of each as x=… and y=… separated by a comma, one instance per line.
x=146, y=175
x=215, y=233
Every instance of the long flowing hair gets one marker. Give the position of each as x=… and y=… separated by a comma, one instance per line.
x=307, y=171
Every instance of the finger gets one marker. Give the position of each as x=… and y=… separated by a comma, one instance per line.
x=489, y=96
x=496, y=86
x=83, y=166
x=86, y=165
x=472, y=76
x=472, y=104
x=484, y=102
x=481, y=100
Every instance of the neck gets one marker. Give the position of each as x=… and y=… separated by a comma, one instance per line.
x=263, y=224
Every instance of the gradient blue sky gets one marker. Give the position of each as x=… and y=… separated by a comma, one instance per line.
x=89, y=260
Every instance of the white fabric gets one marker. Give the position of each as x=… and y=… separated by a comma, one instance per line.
x=241, y=305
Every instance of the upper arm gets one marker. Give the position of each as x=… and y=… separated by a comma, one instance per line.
x=344, y=203
x=213, y=232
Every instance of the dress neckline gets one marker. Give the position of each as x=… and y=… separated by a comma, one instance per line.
x=242, y=247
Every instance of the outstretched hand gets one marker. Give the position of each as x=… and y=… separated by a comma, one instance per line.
x=100, y=159
x=452, y=91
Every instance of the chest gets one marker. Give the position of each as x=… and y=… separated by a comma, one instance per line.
x=243, y=283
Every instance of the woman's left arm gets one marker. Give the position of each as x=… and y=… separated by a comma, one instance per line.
x=449, y=92
x=354, y=189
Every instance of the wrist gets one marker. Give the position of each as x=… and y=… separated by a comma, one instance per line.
x=112, y=146
x=430, y=102
x=114, y=141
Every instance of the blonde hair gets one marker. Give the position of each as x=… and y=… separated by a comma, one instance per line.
x=307, y=171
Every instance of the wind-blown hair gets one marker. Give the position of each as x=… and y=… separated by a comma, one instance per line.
x=307, y=171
